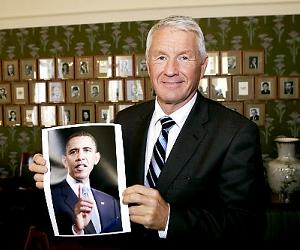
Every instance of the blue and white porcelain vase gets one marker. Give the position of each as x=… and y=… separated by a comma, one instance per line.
x=283, y=173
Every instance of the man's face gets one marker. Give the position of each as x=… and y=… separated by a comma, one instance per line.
x=174, y=66
x=80, y=158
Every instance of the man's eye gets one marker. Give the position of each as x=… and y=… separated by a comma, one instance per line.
x=184, y=58
x=161, y=58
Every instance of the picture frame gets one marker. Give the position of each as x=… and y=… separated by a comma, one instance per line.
x=84, y=68
x=220, y=88
x=20, y=93
x=37, y=92
x=121, y=106
x=65, y=68
x=231, y=62
x=265, y=87
x=5, y=93
x=288, y=87
x=66, y=114
x=75, y=91
x=85, y=113
x=10, y=70
x=1, y=116
x=94, y=90
x=28, y=69
x=105, y=113
x=237, y=106
x=12, y=115
x=255, y=112
x=140, y=65
x=253, y=62
x=114, y=89
x=47, y=115
x=150, y=93
x=30, y=115
x=213, y=64
x=56, y=91
x=124, y=66
x=46, y=68
x=243, y=88
x=103, y=66
x=134, y=89
x=203, y=86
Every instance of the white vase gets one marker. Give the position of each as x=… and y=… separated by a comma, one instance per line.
x=283, y=173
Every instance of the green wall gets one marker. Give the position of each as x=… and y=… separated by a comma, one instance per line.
x=279, y=36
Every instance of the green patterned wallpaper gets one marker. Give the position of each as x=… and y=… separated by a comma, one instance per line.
x=279, y=36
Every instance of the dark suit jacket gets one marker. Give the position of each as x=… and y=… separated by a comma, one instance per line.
x=213, y=177
x=64, y=200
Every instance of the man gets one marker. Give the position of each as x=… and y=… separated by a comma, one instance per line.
x=211, y=185
x=95, y=90
x=253, y=62
x=12, y=116
x=75, y=91
x=288, y=88
x=265, y=88
x=73, y=203
x=10, y=70
x=254, y=114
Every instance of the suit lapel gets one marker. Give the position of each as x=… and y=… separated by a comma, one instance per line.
x=188, y=140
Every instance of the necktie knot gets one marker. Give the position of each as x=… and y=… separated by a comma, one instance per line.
x=167, y=123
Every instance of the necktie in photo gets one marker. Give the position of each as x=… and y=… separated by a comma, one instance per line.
x=159, y=152
x=86, y=192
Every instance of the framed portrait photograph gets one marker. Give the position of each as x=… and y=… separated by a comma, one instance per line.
x=235, y=106
x=20, y=93
x=253, y=62
x=65, y=67
x=150, y=93
x=213, y=63
x=47, y=115
x=12, y=115
x=105, y=113
x=140, y=65
x=288, y=87
x=255, y=112
x=28, y=69
x=114, y=89
x=103, y=66
x=1, y=116
x=203, y=86
x=37, y=92
x=85, y=113
x=56, y=91
x=66, y=114
x=102, y=147
x=243, y=88
x=10, y=70
x=265, y=87
x=121, y=106
x=124, y=66
x=84, y=68
x=30, y=115
x=220, y=88
x=75, y=91
x=94, y=90
x=134, y=89
x=231, y=62
x=46, y=68
x=5, y=93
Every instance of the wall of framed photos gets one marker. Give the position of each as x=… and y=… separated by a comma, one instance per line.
x=47, y=59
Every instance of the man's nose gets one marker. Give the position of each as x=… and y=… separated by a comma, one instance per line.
x=171, y=67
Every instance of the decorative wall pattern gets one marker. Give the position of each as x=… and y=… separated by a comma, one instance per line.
x=278, y=36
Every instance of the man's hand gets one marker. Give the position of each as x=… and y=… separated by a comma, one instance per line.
x=147, y=207
x=82, y=210
x=39, y=167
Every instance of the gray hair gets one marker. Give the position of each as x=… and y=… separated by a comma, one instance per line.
x=183, y=23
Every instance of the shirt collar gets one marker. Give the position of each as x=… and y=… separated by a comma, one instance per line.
x=72, y=182
x=179, y=116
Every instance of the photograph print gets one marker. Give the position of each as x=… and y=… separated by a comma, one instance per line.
x=85, y=180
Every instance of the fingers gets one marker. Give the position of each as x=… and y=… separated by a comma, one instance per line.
x=139, y=194
x=39, y=178
x=38, y=165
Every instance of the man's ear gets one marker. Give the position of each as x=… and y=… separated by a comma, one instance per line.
x=98, y=157
x=203, y=67
x=64, y=161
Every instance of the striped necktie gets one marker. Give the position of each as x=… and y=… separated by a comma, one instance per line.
x=159, y=152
